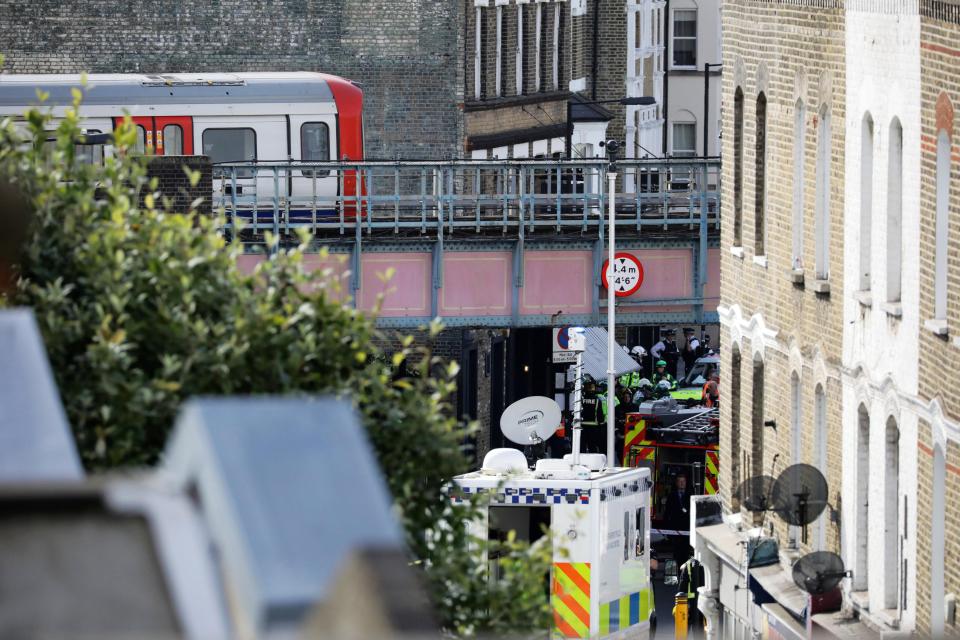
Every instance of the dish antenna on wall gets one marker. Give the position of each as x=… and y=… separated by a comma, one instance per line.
x=530, y=421
x=800, y=495
x=819, y=572
x=756, y=494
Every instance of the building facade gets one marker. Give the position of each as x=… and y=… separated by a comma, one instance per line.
x=839, y=256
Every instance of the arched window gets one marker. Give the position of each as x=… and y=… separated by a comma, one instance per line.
x=820, y=440
x=738, y=168
x=799, y=128
x=891, y=516
x=796, y=430
x=822, y=221
x=937, y=559
x=861, y=552
x=735, y=420
x=760, y=175
x=866, y=199
x=756, y=449
x=943, y=226
x=895, y=212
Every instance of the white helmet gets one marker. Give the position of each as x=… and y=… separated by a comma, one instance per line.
x=664, y=384
x=644, y=383
x=638, y=351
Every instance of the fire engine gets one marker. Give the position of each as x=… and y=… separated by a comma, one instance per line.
x=673, y=442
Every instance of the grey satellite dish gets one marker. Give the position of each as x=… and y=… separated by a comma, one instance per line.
x=530, y=420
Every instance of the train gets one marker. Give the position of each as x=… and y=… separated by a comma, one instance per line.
x=229, y=117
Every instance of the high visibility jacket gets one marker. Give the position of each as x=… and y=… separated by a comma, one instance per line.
x=602, y=407
x=711, y=393
x=631, y=380
x=669, y=378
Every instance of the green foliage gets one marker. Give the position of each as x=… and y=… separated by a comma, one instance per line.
x=141, y=308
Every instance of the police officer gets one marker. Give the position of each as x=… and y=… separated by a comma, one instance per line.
x=632, y=380
x=668, y=351
x=691, y=347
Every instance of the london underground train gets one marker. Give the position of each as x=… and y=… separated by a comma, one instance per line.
x=230, y=117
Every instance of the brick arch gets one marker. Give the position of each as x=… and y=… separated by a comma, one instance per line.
x=945, y=113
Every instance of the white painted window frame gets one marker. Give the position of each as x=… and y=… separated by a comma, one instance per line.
x=894, y=230
x=866, y=202
x=942, y=225
x=673, y=37
x=498, y=87
x=799, y=176
x=537, y=85
x=519, y=52
x=822, y=219
x=556, y=47
x=478, y=53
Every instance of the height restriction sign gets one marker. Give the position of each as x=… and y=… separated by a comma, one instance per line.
x=627, y=274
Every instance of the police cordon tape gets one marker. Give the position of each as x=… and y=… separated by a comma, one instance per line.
x=670, y=532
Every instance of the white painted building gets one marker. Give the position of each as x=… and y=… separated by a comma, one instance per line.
x=881, y=311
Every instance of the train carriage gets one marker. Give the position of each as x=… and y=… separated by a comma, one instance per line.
x=230, y=117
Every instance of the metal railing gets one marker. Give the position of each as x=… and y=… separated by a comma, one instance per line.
x=479, y=196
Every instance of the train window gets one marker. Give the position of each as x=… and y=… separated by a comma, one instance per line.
x=141, y=144
x=90, y=153
x=230, y=145
x=173, y=140
x=315, y=145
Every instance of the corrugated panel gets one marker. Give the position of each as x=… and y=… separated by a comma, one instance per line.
x=595, y=356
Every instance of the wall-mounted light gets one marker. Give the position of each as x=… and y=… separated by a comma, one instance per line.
x=526, y=368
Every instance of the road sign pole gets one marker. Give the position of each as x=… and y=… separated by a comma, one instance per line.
x=611, y=343
x=577, y=407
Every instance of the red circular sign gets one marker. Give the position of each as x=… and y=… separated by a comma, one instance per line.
x=627, y=274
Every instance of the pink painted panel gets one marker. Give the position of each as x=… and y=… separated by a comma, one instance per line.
x=406, y=294
x=711, y=290
x=337, y=281
x=247, y=262
x=557, y=281
x=667, y=274
x=476, y=283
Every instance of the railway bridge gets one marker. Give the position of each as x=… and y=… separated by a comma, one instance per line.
x=504, y=243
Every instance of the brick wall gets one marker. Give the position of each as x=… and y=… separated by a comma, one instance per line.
x=939, y=363
x=766, y=45
x=173, y=183
x=406, y=53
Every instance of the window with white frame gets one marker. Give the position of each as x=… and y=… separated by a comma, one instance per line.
x=738, y=167
x=538, y=49
x=519, y=51
x=891, y=516
x=895, y=212
x=555, y=57
x=799, y=140
x=866, y=200
x=478, y=55
x=822, y=220
x=942, y=225
x=820, y=429
x=862, y=566
x=796, y=426
x=684, y=139
x=685, y=38
x=498, y=86
x=760, y=178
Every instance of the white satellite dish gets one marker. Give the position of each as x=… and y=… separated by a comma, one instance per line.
x=530, y=420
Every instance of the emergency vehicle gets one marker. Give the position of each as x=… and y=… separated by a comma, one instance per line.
x=657, y=440
x=599, y=517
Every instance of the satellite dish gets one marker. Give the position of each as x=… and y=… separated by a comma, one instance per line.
x=800, y=494
x=530, y=420
x=756, y=493
x=819, y=572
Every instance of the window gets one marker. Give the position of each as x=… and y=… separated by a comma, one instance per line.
x=735, y=362
x=172, y=140
x=685, y=38
x=799, y=139
x=820, y=429
x=519, y=52
x=822, y=221
x=891, y=516
x=937, y=559
x=738, y=168
x=640, y=534
x=315, y=146
x=499, y=70
x=861, y=565
x=538, y=49
x=760, y=173
x=866, y=200
x=90, y=153
x=684, y=139
x=140, y=146
x=556, y=46
x=894, y=212
x=796, y=424
x=230, y=145
x=478, y=55
x=943, y=227
x=756, y=467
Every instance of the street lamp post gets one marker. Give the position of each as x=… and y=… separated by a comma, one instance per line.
x=613, y=148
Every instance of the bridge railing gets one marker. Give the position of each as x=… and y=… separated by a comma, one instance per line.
x=486, y=195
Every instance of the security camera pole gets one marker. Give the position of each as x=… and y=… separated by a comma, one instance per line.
x=612, y=148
